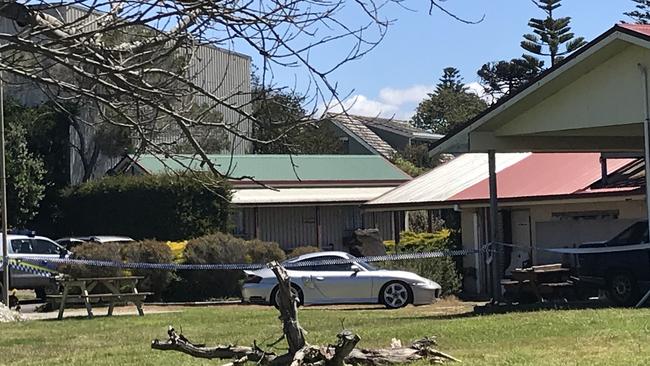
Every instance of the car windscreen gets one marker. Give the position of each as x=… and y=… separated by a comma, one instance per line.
x=635, y=234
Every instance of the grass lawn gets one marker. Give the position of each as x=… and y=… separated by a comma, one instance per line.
x=576, y=337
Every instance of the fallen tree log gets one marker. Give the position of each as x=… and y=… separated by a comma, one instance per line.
x=344, y=352
x=300, y=353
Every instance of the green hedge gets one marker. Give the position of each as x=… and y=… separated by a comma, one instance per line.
x=164, y=207
x=149, y=251
x=219, y=248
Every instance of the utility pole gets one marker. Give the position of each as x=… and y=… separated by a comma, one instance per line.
x=3, y=193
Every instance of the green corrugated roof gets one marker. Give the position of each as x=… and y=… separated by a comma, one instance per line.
x=280, y=168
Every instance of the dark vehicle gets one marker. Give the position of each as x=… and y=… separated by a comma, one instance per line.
x=72, y=242
x=624, y=272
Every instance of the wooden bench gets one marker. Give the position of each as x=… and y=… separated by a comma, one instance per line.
x=112, y=284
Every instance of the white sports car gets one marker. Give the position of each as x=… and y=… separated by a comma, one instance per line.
x=342, y=283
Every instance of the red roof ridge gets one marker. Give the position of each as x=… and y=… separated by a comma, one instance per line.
x=639, y=28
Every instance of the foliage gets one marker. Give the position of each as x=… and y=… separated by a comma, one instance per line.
x=418, y=222
x=505, y=77
x=48, y=139
x=258, y=251
x=177, y=248
x=417, y=242
x=283, y=126
x=418, y=155
x=113, y=141
x=296, y=252
x=449, y=105
x=441, y=270
x=220, y=248
x=96, y=251
x=165, y=207
x=149, y=251
x=406, y=166
x=210, y=249
x=641, y=12
x=25, y=170
x=550, y=34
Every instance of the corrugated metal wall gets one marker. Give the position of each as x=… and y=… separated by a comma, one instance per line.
x=292, y=227
x=382, y=221
x=227, y=75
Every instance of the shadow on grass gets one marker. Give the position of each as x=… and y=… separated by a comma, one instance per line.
x=490, y=309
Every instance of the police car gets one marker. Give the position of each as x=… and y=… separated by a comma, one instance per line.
x=34, y=253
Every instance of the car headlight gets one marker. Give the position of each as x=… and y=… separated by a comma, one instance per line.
x=423, y=283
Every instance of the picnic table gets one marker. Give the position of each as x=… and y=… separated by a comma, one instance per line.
x=117, y=289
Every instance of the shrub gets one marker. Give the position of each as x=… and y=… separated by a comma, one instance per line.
x=165, y=207
x=411, y=242
x=210, y=249
x=96, y=251
x=441, y=270
x=177, y=248
x=258, y=251
x=303, y=250
x=149, y=251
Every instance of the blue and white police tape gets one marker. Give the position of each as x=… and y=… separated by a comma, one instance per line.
x=248, y=266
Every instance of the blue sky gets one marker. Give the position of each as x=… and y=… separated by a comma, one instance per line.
x=395, y=76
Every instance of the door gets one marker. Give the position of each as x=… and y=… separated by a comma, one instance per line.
x=340, y=284
x=334, y=283
x=39, y=251
x=520, y=221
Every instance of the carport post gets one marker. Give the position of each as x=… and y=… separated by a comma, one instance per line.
x=496, y=277
x=646, y=150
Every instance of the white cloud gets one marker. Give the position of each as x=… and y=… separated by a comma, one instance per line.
x=362, y=105
x=479, y=90
x=412, y=94
x=391, y=102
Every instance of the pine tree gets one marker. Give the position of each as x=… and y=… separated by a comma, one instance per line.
x=504, y=77
x=451, y=80
x=550, y=34
x=641, y=13
x=449, y=105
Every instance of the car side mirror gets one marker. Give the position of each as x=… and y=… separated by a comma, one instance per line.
x=355, y=268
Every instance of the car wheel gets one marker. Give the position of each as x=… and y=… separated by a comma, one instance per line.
x=395, y=295
x=622, y=289
x=295, y=290
x=41, y=294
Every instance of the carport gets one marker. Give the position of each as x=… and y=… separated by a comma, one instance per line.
x=596, y=100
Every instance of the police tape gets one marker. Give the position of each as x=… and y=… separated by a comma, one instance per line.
x=586, y=249
x=255, y=266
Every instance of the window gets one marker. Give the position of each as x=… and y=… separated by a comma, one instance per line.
x=40, y=246
x=21, y=246
x=324, y=267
